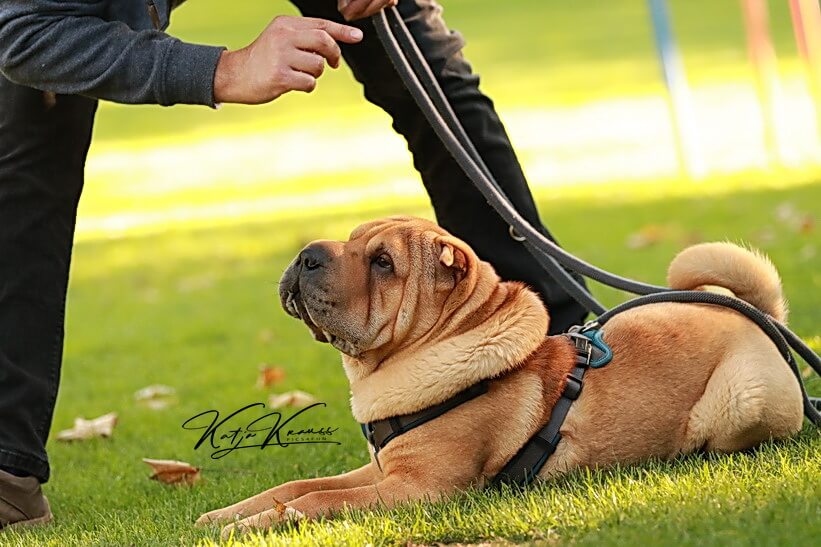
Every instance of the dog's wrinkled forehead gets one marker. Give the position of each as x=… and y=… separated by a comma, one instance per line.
x=409, y=243
x=394, y=225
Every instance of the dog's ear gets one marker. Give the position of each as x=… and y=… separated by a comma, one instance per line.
x=455, y=255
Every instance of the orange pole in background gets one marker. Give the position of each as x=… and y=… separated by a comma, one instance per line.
x=762, y=55
x=806, y=21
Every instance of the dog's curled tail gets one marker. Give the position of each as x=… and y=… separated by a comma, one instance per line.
x=748, y=274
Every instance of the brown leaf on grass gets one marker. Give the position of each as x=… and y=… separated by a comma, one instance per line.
x=156, y=397
x=645, y=237
x=173, y=472
x=286, y=513
x=291, y=398
x=806, y=225
x=269, y=376
x=787, y=213
x=89, y=429
x=280, y=507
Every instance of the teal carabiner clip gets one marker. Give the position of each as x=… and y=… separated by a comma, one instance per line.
x=595, y=337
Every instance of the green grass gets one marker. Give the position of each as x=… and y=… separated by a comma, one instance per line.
x=192, y=304
x=196, y=309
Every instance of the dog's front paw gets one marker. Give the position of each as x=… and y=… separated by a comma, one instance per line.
x=262, y=521
x=218, y=516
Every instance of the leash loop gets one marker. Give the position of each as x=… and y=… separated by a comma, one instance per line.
x=515, y=235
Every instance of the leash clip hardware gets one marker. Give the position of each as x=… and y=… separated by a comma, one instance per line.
x=590, y=325
x=515, y=235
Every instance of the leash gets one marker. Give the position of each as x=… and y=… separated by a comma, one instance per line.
x=421, y=83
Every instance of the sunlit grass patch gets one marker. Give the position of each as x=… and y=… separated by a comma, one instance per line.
x=717, y=500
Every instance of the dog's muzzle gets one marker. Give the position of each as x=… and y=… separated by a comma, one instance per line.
x=309, y=265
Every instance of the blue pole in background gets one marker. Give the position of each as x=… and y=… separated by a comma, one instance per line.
x=681, y=104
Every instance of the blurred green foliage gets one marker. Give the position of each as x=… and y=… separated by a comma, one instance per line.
x=529, y=52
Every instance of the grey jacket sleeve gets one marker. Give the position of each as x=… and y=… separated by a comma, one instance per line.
x=67, y=46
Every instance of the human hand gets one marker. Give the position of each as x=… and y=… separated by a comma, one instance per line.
x=359, y=9
x=289, y=55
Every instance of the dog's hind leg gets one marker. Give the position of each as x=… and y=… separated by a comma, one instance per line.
x=751, y=397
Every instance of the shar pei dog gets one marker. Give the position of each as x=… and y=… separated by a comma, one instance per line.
x=418, y=318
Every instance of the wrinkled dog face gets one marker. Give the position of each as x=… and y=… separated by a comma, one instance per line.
x=382, y=289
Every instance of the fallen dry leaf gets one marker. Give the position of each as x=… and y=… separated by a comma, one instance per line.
x=173, y=472
x=89, y=429
x=269, y=376
x=789, y=214
x=156, y=397
x=291, y=398
x=806, y=225
x=280, y=507
x=646, y=236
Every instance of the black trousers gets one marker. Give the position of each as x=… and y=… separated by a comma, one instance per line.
x=42, y=155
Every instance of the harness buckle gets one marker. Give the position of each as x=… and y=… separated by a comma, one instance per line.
x=584, y=348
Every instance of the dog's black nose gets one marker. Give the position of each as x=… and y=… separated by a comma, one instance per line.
x=314, y=257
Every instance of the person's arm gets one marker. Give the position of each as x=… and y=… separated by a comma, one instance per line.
x=65, y=46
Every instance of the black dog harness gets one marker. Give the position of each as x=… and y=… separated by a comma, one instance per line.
x=591, y=352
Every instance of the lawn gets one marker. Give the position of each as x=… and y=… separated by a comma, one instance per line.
x=197, y=310
x=190, y=216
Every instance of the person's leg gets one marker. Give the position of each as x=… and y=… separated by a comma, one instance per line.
x=43, y=146
x=459, y=207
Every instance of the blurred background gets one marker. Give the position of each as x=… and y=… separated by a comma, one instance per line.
x=579, y=86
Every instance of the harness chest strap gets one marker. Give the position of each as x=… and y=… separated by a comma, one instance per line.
x=379, y=433
x=591, y=351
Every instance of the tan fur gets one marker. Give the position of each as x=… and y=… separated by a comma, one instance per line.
x=418, y=378
x=684, y=377
x=748, y=274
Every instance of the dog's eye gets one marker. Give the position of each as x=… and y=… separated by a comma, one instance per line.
x=383, y=262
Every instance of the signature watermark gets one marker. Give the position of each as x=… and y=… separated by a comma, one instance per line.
x=246, y=428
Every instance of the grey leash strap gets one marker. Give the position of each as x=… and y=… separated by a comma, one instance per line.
x=388, y=30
